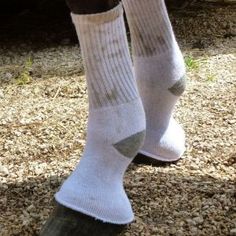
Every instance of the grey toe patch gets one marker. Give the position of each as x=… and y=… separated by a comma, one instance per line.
x=129, y=147
x=178, y=88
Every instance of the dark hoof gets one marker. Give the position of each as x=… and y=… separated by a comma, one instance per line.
x=143, y=159
x=66, y=222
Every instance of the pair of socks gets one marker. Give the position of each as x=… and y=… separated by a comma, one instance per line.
x=124, y=118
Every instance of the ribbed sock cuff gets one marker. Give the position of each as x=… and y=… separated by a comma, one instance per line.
x=150, y=27
x=106, y=57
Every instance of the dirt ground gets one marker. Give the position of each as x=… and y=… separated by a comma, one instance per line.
x=43, y=117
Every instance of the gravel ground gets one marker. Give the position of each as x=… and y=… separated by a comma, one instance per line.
x=43, y=117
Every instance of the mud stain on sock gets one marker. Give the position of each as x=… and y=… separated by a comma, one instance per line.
x=101, y=98
x=95, y=96
x=129, y=147
x=179, y=87
x=117, y=54
x=112, y=96
x=115, y=42
x=148, y=43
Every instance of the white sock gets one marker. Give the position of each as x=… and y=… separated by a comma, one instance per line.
x=160, y=70
x=116, y=126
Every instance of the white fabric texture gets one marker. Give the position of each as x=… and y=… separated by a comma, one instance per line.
x=116, y=125
x=159, y=70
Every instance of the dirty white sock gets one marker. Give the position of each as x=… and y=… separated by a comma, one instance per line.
x=116, y=126
x=160, y=70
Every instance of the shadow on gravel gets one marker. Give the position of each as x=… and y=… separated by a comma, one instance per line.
x=156, y=202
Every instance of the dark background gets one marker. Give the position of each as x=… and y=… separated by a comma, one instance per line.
x=47, y=22
x=13, y=7
x=56, y=7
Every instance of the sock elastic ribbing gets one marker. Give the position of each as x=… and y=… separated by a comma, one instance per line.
x=160, y=70
x=116, y=125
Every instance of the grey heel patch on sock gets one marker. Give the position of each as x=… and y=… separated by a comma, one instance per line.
x=178, y=88
x=129, y=147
